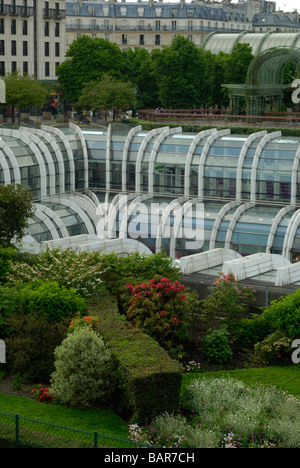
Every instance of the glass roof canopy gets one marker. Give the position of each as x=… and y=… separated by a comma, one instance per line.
x=248, y=187
x=260, y=42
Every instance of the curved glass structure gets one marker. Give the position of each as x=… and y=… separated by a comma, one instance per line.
x=260, y=42
x=148, y=186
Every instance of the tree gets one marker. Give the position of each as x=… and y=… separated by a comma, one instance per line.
x=88, y=60
x=23, y=91
x=237, y=64
x=15, y=210
x=107, y=93
x=180, y=71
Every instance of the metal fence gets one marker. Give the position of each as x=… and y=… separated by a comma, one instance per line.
x=22, y=432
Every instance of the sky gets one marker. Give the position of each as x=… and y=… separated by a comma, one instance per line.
x=288, y=5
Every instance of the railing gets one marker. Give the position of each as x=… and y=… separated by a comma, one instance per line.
x=161, y=115
x=54, y=13
x=21, y=432
x=16, y=10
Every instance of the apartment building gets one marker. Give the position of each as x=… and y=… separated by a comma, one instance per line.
x=32, y=37
x=151, y=24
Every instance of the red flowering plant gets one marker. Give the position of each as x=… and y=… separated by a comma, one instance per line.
x=42, y=394
x=162, y=309
x=228, y=299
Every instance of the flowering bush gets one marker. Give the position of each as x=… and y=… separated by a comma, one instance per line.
x=42, y=394
x=81, y=271
x=228, y=299
x=79, y=322
x=162, y=309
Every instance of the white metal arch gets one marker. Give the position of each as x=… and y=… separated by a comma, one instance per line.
x=240, y=210
x=239, y=171
x=203, y=157
x=77, y=210
x=43, y=134
x=280, y=215
x=187, y=172
x=78, y=131
x=123, y=230
x=167, y=132
x=48, y=223
x=108, y=157
x=36, y=152
x=46, y=156
x=290, y=234
x=5, y=169
x=173, y=205
x=54, y=217
x=8, y=153
x=129, y=137
x=218, y=221
x=295, y=176
x=259, y=149
x=90, y=210
x=140, y=155
x=178, y=228
x=66, y=144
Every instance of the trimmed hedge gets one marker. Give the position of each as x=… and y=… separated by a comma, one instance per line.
x=150, y=380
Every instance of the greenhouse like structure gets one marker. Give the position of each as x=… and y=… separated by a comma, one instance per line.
x=89, y=185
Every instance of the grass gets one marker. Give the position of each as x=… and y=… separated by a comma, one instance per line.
x=108, y=422
x=284, y=377
x=103, y=421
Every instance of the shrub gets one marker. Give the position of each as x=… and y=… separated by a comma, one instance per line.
x=150, y=380
x=43, y=298
x=216, y=346
x=80, y=271
x=274, y=349
x=228, y=299
x=31, y=344
x=134, y=268
x=85, y=372
x=284, y=315
x=162, y=309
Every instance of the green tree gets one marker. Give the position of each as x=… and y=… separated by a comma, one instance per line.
x=15, y=210
x=180, y=71
x=237, y=64
x=23, y=91
x=107, y=93
x=87, y=60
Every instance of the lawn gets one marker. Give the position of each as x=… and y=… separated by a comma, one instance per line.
x=108, y=422
x=286, y=378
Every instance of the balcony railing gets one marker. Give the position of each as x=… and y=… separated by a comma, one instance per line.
x=145, y=28
x=16, y=10
x=54, y=13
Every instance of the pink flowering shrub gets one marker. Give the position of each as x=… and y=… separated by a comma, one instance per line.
x=162, y=309
x=228, y=299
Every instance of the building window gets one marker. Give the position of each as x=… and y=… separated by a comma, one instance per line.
x=13, y=47
x=2, y=68
x=57, y=49
x=47, y=49
x=47, y=69
x=57, y=30
x=13, y=67
x=142, y=39
x=124, y=39
x=13, y=26
x=25, y=48
x=46, y=28
x=25, y=68
x=57, y=64
x=173, y=25
x=2, y=30
x=157, y=25
x=157, y=39
x=25, y=28
x=2, y=47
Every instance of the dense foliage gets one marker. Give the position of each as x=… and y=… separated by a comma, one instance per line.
x=179, y=76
